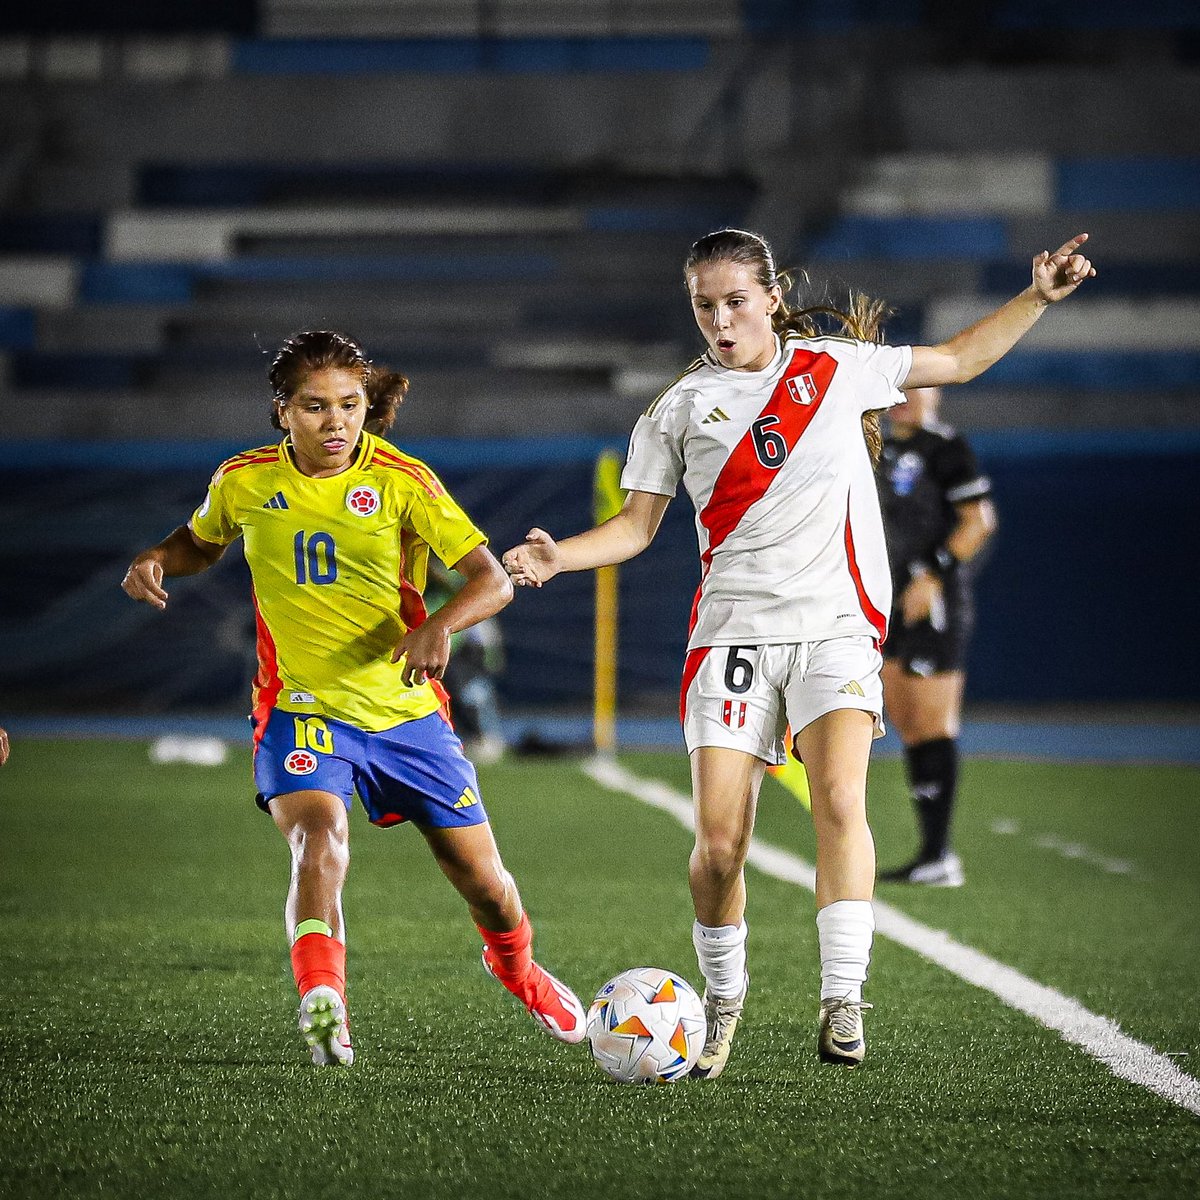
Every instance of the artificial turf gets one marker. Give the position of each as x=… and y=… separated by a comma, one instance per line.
x=150, y=1045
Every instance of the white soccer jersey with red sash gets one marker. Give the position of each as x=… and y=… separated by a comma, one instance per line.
x=787, y=514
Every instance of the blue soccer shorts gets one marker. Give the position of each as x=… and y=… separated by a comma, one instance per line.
x=415, y=771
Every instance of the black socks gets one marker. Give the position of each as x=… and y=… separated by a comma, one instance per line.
x=933, y=777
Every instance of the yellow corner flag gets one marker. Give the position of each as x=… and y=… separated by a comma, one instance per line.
x=607, y=500
x=607, y=497
x=793, y=776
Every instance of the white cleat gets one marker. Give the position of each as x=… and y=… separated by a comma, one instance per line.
x=324, y=1027
x=841, y=1038
x=722, y=1017
x=946, y=871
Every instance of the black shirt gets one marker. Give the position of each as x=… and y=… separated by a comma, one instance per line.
x=921, y=479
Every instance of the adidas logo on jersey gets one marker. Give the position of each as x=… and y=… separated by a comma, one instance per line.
x=277, y=501
x=853, y=688
x=717, y=414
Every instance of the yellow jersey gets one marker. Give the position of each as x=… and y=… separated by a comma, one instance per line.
x=338, y=567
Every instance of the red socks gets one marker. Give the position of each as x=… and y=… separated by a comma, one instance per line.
x=319, y=959
x=509, y=951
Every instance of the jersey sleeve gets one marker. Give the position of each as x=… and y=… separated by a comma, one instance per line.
x=654, y=462
x=214, y=520
x=882, y=369
x=891, y=362
x=437, y=520
x=958, y=472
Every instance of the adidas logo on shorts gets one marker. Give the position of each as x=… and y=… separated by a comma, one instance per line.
x=852, y=688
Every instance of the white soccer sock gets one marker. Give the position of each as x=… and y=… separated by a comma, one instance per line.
x=721, y=952
x=844, y=931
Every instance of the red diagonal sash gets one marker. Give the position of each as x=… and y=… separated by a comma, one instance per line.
x=744, y=479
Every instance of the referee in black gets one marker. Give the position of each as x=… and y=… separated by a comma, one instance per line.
x=938, y=515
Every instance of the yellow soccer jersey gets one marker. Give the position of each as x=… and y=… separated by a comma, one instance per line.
x=338, y=566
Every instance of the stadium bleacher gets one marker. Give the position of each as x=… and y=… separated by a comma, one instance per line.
x=496, y=199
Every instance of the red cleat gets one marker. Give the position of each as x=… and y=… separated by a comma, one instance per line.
x=551, y=1004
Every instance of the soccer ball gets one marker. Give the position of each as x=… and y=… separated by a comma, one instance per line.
x=646, y=1026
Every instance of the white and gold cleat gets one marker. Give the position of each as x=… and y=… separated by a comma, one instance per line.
x=841, y=1038
x=722, y=1017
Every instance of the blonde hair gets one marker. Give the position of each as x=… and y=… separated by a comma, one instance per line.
x=862, y=319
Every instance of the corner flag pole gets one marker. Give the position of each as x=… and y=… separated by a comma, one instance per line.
x=607, y=501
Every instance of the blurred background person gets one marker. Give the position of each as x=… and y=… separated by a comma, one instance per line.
x=938, y=515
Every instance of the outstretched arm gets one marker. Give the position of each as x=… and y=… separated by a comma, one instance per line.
x=971, y=352
x=485, y=593
x=179, y=553
x=627, y=534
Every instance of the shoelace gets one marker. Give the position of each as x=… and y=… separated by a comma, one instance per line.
x=845, y=1016
x=724, y=1013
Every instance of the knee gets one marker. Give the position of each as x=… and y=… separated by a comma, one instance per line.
x=839, y=806
x=720, y=854
x=322, y=846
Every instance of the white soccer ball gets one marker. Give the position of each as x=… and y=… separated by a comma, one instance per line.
x=646, y=1026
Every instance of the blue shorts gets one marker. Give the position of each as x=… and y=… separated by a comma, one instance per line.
x=416, y=771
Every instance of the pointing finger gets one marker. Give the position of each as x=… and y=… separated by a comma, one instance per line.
x=1071, y=246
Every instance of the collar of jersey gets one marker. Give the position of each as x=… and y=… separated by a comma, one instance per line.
x=732, y=373
x=366, y=447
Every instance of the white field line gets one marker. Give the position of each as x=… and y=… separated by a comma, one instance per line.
x=1071, y=850
x=1098, y=1036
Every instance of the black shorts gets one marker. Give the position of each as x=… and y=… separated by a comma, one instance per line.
x=922, y=648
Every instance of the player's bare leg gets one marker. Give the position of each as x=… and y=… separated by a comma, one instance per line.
x=835, y=750
x=926, y=712
x=470, y=859
x=317, y=832
x=725, y=786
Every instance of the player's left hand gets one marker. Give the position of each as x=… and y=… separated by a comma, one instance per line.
x=3, y=747
x=1057, y=275
x=425, y=651
x=917, y=601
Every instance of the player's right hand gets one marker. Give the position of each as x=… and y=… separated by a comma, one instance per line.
x=143, y=581
x=534, y=562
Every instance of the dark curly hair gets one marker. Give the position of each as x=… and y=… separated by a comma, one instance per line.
x=863, y=321
x=318, y=349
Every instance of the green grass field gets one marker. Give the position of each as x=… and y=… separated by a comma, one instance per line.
x=149, y=1044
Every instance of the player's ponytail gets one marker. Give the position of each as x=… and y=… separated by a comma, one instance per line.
x=319, y=349
x=385, y=393
x=861, y=320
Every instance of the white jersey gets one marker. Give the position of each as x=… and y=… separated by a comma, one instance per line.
x=787, y=514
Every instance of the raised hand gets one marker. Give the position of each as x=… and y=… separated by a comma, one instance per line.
x=534, y=562
x=1057, y=275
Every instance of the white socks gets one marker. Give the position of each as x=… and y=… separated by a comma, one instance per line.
x=844, y=931
x=721, y=952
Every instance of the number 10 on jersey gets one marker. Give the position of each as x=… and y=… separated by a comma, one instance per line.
x=316, y=558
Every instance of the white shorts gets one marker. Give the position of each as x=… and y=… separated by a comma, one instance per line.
x=745, y=697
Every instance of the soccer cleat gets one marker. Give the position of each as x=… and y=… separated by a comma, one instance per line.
x=946, y=871
x=841, y=1038
x=550, y=1003
x=325, y=1027
x=722, y=1017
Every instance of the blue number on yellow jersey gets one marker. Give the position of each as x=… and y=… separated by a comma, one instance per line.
x=338, y=566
